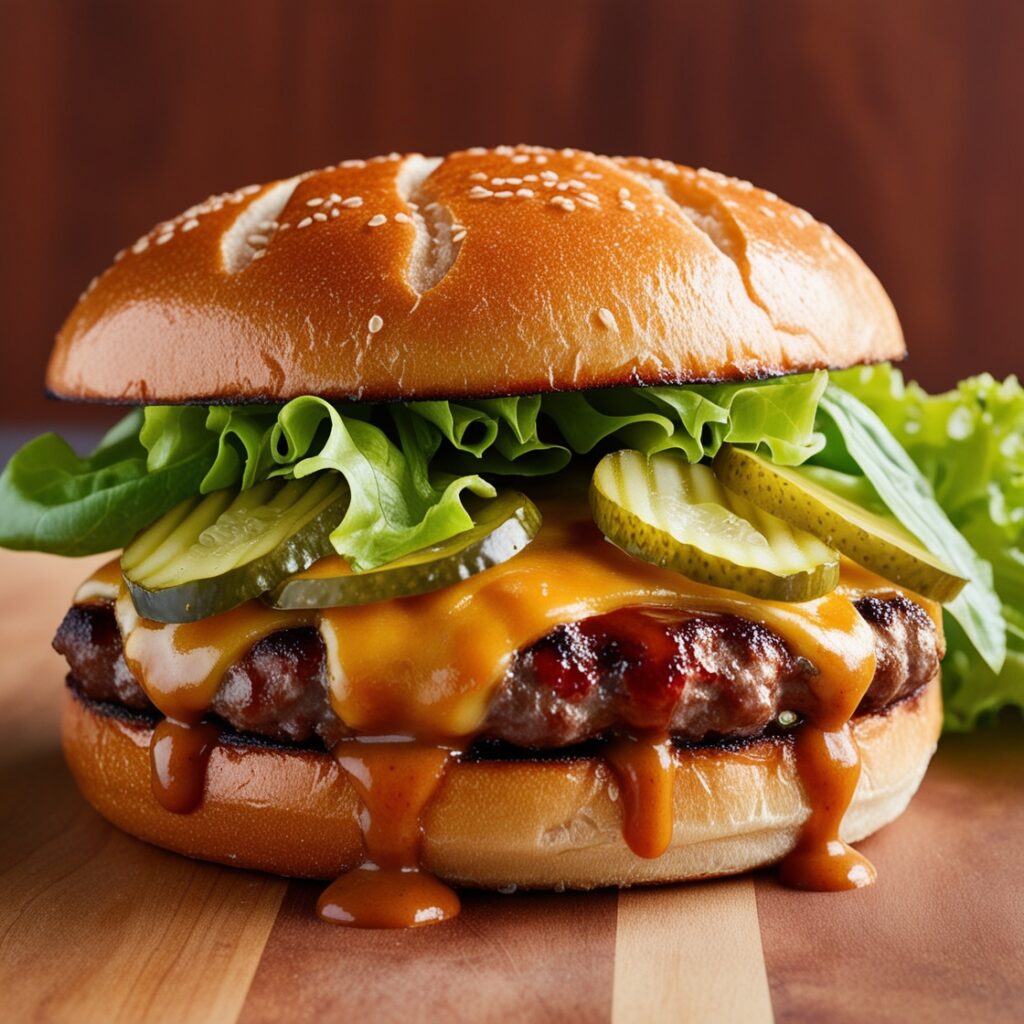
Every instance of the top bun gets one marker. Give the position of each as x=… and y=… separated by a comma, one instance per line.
x=504, y=271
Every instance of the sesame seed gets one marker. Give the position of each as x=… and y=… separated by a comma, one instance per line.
x=591, y=175
x=540, y=158
x=477, y=151
x=478, y=176
x=318, y=201
x=353, y=163
x=497, y=181
x=256, y=240
x=530, y=177
x=250, y=190
x=770, y=196
x=520, y=158
x=479, y=192
x=504, y=194
x=513, y=181
x=375, y=221
x=190, y=224
x=119, y=255
x=623, y=193
x=627, y=204
x=564, y=202
x=403, y=218
x=549, y=175
x=607, y=318
x=375, y=324
x=259, y=255
x=165, y=238
x=459, y=235
x=589, y=196
x=335, y=212
x=305, y=222
x=526, y=193
x=562, y=186
x=576, y=184
x=334, y=198
x=352, y=201
x=767, y=211
x=319, y=216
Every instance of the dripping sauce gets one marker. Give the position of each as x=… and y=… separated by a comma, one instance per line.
x=645, y=770
x=178, y=755
x=829, y=767
x=395, y=779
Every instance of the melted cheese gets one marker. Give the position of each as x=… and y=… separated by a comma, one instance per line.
x=427, y=666
x=181, y=665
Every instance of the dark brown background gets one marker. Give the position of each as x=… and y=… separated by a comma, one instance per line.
x=900, y=123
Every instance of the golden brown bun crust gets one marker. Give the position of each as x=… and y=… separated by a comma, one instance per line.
x=483, y=275
x=547, y=822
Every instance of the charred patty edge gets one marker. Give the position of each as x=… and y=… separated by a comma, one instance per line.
x=481, y=749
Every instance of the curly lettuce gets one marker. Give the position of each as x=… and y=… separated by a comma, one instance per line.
x=408, y=465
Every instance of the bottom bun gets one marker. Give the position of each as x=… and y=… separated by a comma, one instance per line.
x=537, y=822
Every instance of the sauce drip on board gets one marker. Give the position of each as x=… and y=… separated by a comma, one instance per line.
x=395, y=779
x=439, y=691
x=178, y=755
x=829, y=767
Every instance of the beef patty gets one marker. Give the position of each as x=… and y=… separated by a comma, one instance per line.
x=700, y=677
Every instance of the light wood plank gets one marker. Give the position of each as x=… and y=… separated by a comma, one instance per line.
x=690, y=953
x=94, y=925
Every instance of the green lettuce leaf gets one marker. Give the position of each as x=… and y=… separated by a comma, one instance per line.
x=395, y=507
x=53, y=500
x=408, y=465
x=969, y=445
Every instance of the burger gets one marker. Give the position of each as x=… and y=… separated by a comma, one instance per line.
x=492, y=520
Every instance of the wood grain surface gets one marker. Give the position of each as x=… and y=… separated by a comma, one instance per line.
x=897, y=123
x=96, y=926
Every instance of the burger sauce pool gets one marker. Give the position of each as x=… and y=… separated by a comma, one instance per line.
x=470, y=631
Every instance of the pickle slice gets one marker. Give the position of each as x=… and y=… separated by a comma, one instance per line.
x=876, y=542
x=210, y=554
x=679, y=516
x=503, y=526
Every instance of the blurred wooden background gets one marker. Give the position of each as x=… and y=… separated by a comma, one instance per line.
x=897, y=121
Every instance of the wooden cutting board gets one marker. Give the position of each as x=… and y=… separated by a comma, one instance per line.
x=96, y=926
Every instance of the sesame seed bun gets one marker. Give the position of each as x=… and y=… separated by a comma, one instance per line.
x=549, y=822
x=505, y=271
